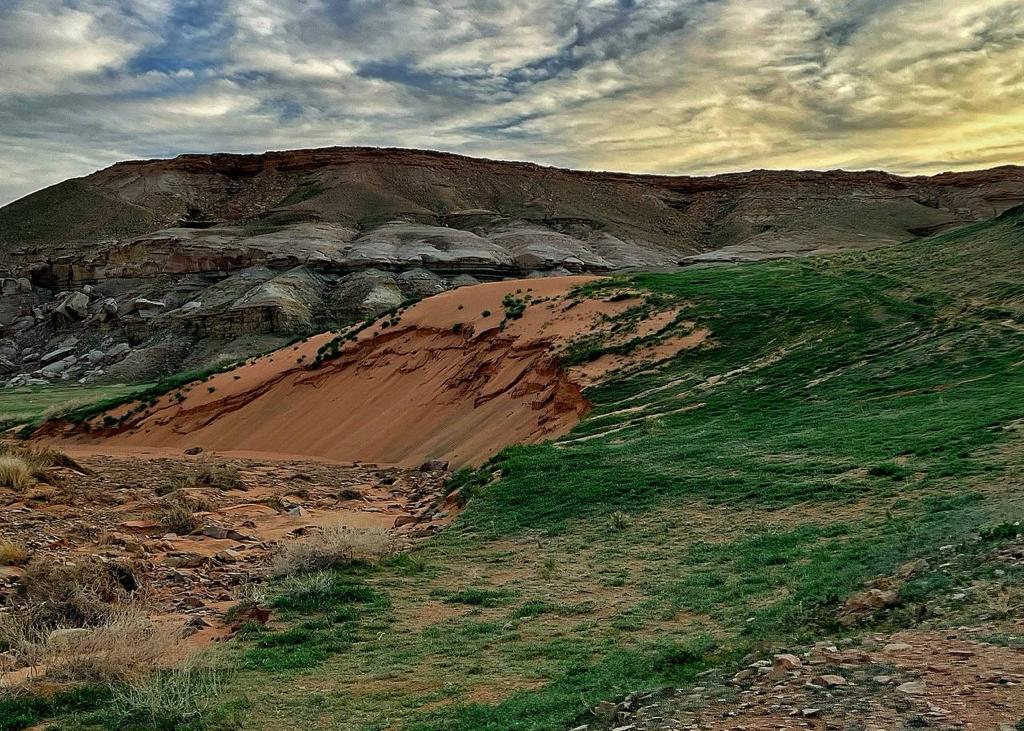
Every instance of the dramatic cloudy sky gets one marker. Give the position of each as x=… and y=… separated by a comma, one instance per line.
x=693, y=86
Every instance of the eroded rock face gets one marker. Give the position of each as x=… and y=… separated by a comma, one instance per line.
x=191, y=254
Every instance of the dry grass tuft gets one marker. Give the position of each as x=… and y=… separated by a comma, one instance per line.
x=125, y=647
x=12, y=553
x=205, y=474
x=16, y=473
x=82, y=594
x=179, y=698
x=333, y=546
x=22, y=466
x=178, y=516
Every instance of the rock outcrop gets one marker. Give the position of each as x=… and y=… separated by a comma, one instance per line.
x=207, y=254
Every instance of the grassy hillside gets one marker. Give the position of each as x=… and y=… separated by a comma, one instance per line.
x=851, y=414
x=70, y=211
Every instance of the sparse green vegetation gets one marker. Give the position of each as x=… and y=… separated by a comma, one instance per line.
x=31, y=404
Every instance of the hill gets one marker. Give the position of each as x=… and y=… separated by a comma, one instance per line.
x=151, y=267
x=828, y=488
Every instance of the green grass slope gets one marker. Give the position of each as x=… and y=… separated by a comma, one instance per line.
x=69, y=212
x=850, y=414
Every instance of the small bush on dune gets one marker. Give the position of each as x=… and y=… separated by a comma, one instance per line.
x=333, y=546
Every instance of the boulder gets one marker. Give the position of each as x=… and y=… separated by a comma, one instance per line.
x=72, y=306
x=55, y=355
x=108, y=310
x=57, y=368
x=464, y=280
x=118, y=351
x=367, y=294
x=66, y=637
x=95, y=356
x=285, y=304
x=147, y=308
x=420, y=283
x=8, y=348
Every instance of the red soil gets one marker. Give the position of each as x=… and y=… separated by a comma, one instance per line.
x=424, y=388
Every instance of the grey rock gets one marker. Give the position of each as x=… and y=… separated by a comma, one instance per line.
x=147, y=308
x=286, y=303
x=367, y=293
x=108, y=310
x=118, y=351
x=95, y=356
x=420, y=283
x=55, y=355
x=464, y=280
x=67, y=636
x=73, y=306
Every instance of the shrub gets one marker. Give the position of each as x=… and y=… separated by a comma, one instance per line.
x=81, y=594
x=125, y=646
x=204, y=474
x=477, y=597
x=319, y=591
x=172, y=699
x=333, y=546
x=220, y=476
x=40, y=460
x=12, y=553
x=620, y=521
x=514, y=306
x=16, y=473
x=1002, y=531
x=177, y=517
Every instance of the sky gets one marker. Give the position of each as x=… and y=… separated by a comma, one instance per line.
x=681, y=86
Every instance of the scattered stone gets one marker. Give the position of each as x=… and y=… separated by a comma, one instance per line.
x=916, y=687
x=896, y=647
x=829, y=681
x=67, y=636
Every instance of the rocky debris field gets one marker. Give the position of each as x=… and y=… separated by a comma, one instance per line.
x=187, y=533
x=941, y=676
x=157, y=326
x=913, y=679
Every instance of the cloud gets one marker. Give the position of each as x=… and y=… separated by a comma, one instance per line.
x=673, y=86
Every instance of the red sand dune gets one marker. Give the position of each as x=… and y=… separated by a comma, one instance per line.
x=421, y=389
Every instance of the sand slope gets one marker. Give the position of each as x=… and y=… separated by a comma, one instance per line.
x=444, y=382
